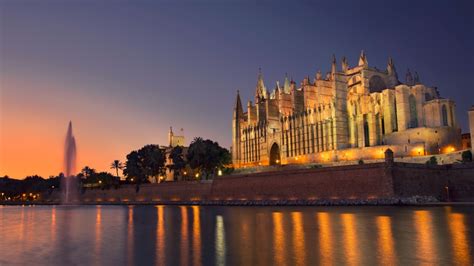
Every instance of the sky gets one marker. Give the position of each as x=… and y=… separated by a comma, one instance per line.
x=125, y=71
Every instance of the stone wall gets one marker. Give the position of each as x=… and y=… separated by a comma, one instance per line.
x=354, y=182
x=446, y=182
x=349, y=182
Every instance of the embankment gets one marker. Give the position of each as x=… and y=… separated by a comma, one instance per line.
x=378, y=183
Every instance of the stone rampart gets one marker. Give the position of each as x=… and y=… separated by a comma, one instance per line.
x=354, y=183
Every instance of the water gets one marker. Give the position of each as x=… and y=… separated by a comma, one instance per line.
x=69, y=190
x=179, y=235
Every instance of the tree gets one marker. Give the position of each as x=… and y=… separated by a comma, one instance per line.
x=207, y=156
x=466, y=156
x=432, y=161
x=87, y=171
x=117, y=164
x=145, y=163
x=178, y=163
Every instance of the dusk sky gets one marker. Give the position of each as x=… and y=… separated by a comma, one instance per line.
x=124, y=71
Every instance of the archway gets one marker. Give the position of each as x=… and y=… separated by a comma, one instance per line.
x=275, y=155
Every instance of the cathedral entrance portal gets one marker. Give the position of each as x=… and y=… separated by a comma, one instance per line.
x=275, y=155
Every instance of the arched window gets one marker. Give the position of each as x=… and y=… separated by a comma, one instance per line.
x=413, y=113
x=444, y=113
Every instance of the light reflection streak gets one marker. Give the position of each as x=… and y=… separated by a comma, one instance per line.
x=385, y=241
x=350, y=239
x=130, y=235
x=98, y=232
x=460, y=242
x=196, y=236
x=298, y=238
x=160, y=236
x=278, y=238
x=220, y=241
x=53, y=223
x=325, y=238
x=184, y=236
x=424, y=228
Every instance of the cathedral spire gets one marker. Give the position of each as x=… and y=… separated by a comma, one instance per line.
x=260, y=90
x=416, y=78
x=345, y=65
x=238, y=105
x=363, y=59
x=333, y=65
x=391, y=67
x=286, y=84
x=409, y=78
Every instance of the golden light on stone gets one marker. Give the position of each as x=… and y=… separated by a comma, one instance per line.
x=381, y=111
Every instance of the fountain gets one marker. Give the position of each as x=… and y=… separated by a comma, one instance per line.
x=69, y=182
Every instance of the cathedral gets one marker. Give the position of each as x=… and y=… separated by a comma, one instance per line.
x=351, y=113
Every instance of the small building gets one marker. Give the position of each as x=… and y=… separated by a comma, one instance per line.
x=173, y=141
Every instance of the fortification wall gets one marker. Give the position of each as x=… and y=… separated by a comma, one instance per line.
x=349, y=182
x=446, y=182
x=377, y=181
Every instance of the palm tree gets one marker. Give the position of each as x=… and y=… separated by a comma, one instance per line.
x=117, y=164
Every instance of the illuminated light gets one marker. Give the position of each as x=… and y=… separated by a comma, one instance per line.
x=185, y=173
x=52, y=187
x=131, y=179
x=219, y=173
x=196, y=236
x=24, y=195
x=297, y=158
x=31, y=194
x=125, y=200
x=197, y=175
x=100, y=181
x=3, y=193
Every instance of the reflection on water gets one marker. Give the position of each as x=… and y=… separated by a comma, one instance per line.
x=179, y=235
x=220, y=241
x=325, y=238
x=350, y=239
x=278, y=238
x=298, y=238
x=160, y=236
x=460, y=243
x=424, y=236
x=385, y=241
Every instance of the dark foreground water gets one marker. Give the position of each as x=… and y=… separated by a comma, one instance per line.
x=193, y=235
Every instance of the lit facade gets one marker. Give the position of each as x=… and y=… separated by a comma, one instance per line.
x=351, y=113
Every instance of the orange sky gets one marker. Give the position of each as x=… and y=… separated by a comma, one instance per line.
x=33, y=129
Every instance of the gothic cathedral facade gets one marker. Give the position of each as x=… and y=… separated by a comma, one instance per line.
x=350, y=114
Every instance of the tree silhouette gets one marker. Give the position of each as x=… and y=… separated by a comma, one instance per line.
x=117, y=164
